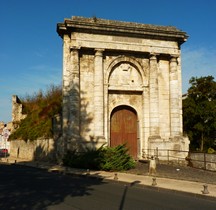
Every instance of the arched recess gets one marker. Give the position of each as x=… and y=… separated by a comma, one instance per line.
x=130, y=60
x=123, y=128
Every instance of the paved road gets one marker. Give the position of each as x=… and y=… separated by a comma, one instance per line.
x=35, y=189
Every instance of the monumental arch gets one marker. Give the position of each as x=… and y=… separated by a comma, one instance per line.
x=122, y=84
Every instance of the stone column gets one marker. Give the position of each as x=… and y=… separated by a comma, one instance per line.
x=154, y=97
x=174, y=98
x=98, y=95
x=65, y=94
x=74, y=96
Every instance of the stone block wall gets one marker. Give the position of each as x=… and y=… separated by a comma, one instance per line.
x=203, y=161
x=41, y=149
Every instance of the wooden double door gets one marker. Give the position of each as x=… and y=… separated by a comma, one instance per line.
x=123, y=129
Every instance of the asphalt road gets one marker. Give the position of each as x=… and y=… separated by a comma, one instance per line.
x=26, y=188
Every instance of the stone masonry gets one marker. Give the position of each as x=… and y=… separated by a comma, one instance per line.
x=17, y=111
x=110, y=66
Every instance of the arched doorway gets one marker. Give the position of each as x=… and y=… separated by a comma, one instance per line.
x=123, y=128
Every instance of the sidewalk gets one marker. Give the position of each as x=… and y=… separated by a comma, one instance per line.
x=197, y=189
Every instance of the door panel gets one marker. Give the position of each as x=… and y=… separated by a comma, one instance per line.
x=124, y=129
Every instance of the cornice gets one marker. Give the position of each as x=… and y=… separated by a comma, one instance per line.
x=111, y=27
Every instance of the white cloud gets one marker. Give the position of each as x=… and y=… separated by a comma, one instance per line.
x=196, y=63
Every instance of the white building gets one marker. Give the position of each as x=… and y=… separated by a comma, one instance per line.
x=122, y=84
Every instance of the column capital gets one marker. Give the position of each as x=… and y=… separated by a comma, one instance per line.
x=153, y=56
x=173, y=58
x=99, y=51
x=74, y=48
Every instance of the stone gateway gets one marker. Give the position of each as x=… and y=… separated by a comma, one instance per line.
x=122, y=84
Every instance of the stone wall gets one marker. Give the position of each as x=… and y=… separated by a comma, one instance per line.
x=17, y=112
x=42, y=149
x=203, y=161
x=17, y=109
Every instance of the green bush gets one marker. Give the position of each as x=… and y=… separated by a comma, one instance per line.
x=104, y=158
x=211, y=150
x=88, y=159
x=40, y=109
x=117, y=159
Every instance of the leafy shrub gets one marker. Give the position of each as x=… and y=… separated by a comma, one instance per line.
x=211, y=150
x=88, y=159
x=104, y=158
x=40, y=109
x=117, y=159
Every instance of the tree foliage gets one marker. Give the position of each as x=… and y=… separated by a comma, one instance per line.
x=40, y=108
x=199, y=112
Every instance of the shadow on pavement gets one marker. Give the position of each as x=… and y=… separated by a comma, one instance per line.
x=30, y=188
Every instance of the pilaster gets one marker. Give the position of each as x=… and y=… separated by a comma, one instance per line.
x=154, y=96
x=65, y=88
x=74, y=95
x=174, y=98
x=98, y=95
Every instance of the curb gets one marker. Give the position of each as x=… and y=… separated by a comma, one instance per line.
x=86, y=174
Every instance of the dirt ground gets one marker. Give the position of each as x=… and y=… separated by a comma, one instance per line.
x=176, y=172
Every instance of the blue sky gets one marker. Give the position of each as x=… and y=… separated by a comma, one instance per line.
x=31, y=50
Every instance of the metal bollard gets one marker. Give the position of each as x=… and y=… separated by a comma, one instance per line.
x=88, y=172
x=64, y=172
x=205, y=191
x=116, y=176
x=154, y=183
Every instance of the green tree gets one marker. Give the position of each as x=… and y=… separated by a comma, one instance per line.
x=199, y=112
